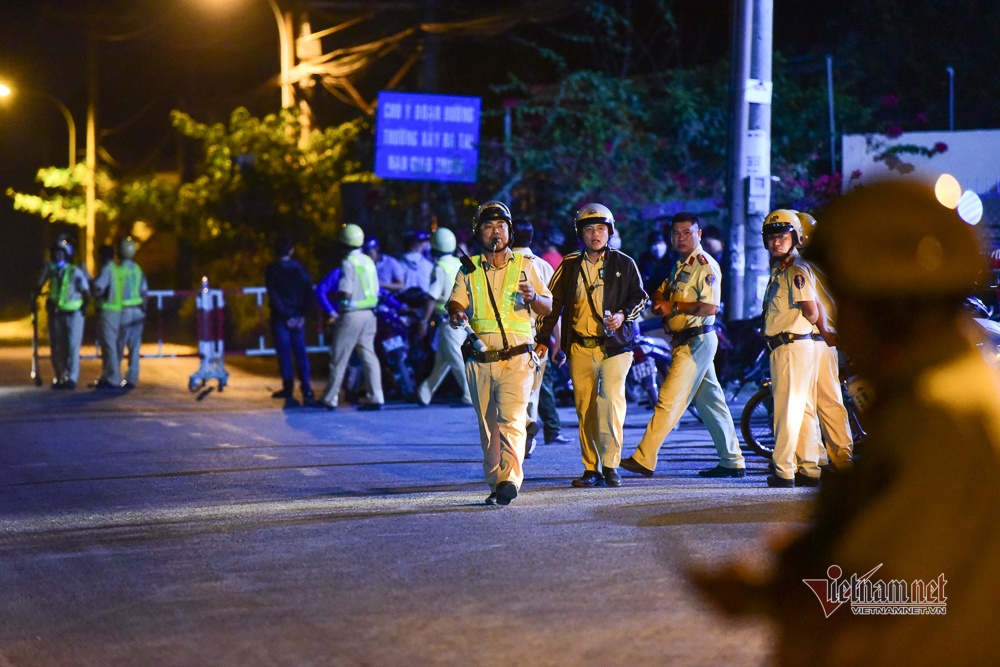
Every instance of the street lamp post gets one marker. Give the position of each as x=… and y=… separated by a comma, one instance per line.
x=70, y=124
x=286, y=43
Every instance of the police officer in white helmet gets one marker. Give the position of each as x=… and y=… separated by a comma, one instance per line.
x=352, y=317
x=69, y=289
x=496, y=298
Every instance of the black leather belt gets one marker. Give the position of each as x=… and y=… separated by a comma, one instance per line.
x=784, y=337
x=684, y=335
x=589, y=341
x=489, y=356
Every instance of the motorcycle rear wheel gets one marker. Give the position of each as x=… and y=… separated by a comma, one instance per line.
x=757, y=422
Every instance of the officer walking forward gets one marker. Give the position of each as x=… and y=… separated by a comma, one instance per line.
x=356, y=285
x=688, y=301
x=448, y=356
x=69, y=287
x=598, y=293
x=495, y=298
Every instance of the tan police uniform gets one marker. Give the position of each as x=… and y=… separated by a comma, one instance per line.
x=692, y=377
x=793, y=371
x=448, y=357
x=68, y=285
x=545, y=272
x=108, y=297
x=598, y=380
x=354, y=330
x=834, y=424
x=132, y=281
x=499, y=387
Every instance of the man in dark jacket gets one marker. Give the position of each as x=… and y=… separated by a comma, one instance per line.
x=289, y=292
x=598, y=293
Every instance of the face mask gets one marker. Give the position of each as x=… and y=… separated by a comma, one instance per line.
x=658, y=250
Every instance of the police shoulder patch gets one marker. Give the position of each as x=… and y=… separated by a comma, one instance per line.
x=799, y=280
x=710, y=279
x=702, y=260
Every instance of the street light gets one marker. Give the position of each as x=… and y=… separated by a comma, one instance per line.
x=6, y=92
x=286, y=45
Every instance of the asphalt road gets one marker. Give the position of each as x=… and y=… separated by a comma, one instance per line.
x=163, y=527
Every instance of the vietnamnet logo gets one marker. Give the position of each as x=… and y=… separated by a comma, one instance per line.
x=869, y=597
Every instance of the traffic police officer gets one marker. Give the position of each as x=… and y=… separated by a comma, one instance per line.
x=108, y=300
x=356, y=284
x=448, y=356
x=495, y=298
x=588, y=283
x=133, y=287
x=688, y=301
x=834, y=424
x=791, y=309
x=69, y=287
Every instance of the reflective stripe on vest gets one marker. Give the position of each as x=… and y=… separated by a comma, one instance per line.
x=114, y=304
x=451, y=266
x=65, y=281
x=364, y=267
x=131, y=284
x=484, y=320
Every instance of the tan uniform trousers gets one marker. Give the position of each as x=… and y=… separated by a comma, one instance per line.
x=793, y=385
x=834, y=425
x=536, y=390
x=130, y=340
x=499, y=393
x=354, y=331
x=599, y=390
x=447, y=358
x=65, y=339
x=110, y=322
x=692, y=379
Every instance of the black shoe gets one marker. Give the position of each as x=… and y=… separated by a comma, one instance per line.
x=632, y=465
x=506, y=492
x=529, y=448
x=103, y=384
x=776, y=482
x=311, y=402
x=492, y=498
x=532, y=429
x=557, y=439
x=68, y=384
x=590, y=478
x=805, y=480
x=283, y=393
x=368, y=407
x=720, y=471
x=127, y=385
x=611, y=477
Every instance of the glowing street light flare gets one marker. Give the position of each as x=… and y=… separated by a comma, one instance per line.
x=970, y=207
x=947, y=190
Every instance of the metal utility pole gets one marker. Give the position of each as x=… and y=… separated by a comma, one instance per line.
x=90, y=182
x=951, y=98
x=758, y=155
x=833, y=128
x=736, y=186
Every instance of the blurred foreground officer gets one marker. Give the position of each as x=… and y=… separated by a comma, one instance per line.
x=834, y=424
x=69, y=288
x=790, y=311
x=356, y=285
x=494, y=298
x=688, y=301
x=920, y=510
x=289, y=293
x=588, y=283
x=133, y=285
x=108, y=301
x=448, y=356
